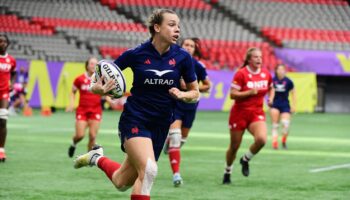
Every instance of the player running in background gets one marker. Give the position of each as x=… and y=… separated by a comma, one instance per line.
x=250, y=84
x=185, y=113
x=281, y=110
x=18, y=94
x=158, y=65
x=89, y=111
x=7, y=78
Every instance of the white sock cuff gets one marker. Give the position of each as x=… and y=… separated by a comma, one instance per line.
x=228, y=169
x=97, y=159
x=275, y=125
x=2, y=149
x=174, y=130
x=249, y=155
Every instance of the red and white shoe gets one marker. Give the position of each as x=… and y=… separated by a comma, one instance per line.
x=2, y=156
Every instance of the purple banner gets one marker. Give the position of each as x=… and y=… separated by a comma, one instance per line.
x=320, y=62
x=217, y=98
x=47, y=79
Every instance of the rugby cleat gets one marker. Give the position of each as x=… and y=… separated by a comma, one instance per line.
x=245, y=167
x=226, y=179
x=71, y=151
x=177, y=180
x=2, y=156
x=88, y=159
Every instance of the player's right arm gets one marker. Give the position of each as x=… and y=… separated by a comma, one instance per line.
x=236, y=87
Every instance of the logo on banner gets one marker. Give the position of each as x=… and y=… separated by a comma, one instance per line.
x=344, y=61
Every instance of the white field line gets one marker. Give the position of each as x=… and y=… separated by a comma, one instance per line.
x=330, y=168
x=193, y=134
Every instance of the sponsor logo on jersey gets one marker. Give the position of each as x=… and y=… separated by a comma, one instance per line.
x=5, y=67
x=159, y=73
x=257, y=84
x=159, y=81
x=84, y=87
x=280, y=88
x=263, y=75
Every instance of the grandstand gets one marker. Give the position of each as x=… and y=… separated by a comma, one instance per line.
x=71, y=30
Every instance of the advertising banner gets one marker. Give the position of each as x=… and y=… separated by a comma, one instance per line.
x=319, y=62
x=50, y=84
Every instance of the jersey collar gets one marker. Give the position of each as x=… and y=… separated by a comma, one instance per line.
x=154, y=50
x=4, y=56
x=252, y=72
x=87, y=76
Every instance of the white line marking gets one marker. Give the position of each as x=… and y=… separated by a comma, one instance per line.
x=330, y=168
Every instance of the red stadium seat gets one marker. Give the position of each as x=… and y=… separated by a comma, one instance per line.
x=10, y=23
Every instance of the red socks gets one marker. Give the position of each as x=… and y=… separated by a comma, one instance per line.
x=108, y=166
x=175, y=158
x=140, y=197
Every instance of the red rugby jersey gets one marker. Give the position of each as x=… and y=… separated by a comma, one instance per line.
x=87, y=98
x=7, y=65
x=245, y=79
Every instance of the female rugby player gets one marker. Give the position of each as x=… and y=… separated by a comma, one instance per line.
x=281, y=109
x=158, y=65
x=185, y=113
x=7, y=79
x=89, y=111
x=250, y=85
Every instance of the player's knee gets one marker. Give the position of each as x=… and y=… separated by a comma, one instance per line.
x=151, y=170
x=175, y=138
x=121, y=187
x=148, y=176
x=285, y=125
x=4, y=114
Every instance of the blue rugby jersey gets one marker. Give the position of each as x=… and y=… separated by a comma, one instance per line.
x=201, y=74
x=154, y=75
x=282, y=89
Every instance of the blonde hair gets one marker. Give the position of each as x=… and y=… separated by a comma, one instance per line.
x=248, y=55
x=157, y=18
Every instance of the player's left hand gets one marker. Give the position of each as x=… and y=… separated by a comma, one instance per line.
x=176, y=93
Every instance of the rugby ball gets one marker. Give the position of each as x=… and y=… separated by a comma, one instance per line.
x=109, y=70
